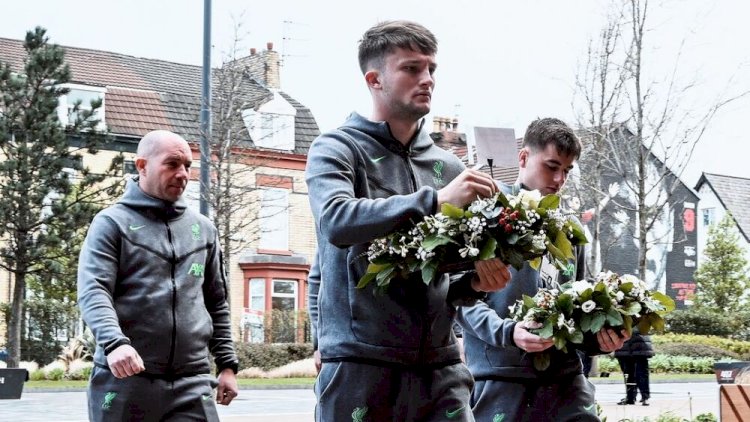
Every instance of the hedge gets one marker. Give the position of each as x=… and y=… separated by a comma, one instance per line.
x=738, y=347
x=706, y=321
x=268, y=356
x=665, y=364
x=695, y=350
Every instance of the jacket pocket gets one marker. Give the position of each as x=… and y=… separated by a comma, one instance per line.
x=382, y=318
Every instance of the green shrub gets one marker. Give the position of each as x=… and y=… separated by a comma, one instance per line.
x=665, y=364
x=268, y=356
x=56, y=374
x=671, y=417
x=668, y=417
x=80, y=373
x=37, y=375
x=741, y=348
x=695, y=350
x=681, y=364
x=701, y=321
x=608, y=364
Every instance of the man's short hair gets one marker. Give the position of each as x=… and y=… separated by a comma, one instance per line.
x=383, y=38
x=549, y=130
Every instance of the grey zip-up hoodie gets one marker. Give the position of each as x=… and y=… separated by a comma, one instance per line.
x=490, y=350
x=364, y=184
x=150, y=275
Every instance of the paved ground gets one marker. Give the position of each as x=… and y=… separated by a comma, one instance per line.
x=686, y=400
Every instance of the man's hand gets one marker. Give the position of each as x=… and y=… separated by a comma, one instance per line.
x=318, y=362
x=227, y=389
x=530, y=342
x=493, y=275
x=609, y=340
x=466, y=187
x=124, y=361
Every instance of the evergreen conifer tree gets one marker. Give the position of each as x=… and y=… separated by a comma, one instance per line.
x=46, y=193
x=722, y=277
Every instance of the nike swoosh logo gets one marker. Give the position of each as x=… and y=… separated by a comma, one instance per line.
x=134, y=228
x=376, y=160
x=452, y=414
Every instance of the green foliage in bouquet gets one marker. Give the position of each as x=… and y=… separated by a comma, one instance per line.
x=513, y=228
x=581, y=307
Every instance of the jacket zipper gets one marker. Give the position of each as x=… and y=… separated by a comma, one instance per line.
x=407, y=158
x=424, y=326
x=172, y=346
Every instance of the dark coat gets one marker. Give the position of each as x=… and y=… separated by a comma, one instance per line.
x=637, y=345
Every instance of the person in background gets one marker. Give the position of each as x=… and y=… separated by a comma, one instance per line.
x=389, y=356
x=152, y=288
x=499, y=351
x=633, y=358
x=586, y=360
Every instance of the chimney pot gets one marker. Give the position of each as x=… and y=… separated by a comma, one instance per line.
x=269, y=46
x=253, y=51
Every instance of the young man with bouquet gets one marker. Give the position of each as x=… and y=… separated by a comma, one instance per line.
x=389, y=356
x=499, y=351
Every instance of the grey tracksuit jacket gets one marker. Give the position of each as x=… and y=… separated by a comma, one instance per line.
x=364, y=184
x=151, y=275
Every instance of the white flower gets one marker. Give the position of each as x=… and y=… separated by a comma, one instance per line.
x=468, y=251
x=588, y=306
x=580, y=286
x=560, y=321
x=538, y=242
x=639, y=285
x=619, y=296
x=530, y=199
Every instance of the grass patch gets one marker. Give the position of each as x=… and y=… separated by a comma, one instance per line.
x=256, y=382
x=617, y=376
x=56, y=384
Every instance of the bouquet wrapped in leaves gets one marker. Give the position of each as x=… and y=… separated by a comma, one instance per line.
x=514, y=228
x=581, y=307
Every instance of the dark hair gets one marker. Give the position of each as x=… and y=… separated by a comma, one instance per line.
x=549, y=130
x=385, y=37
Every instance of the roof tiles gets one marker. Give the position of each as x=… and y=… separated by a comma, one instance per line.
x=734, y=193
x=146, y=94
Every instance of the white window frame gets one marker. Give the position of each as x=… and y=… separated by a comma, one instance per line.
x=708, y=217
x=262, y=296
x=274, y=219
x=292, y=295
x=65, y=106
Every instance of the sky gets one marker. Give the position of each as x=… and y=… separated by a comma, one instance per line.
x=500, y=63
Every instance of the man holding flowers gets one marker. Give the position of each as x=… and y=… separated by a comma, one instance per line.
x=500, y=351
x=389, y=355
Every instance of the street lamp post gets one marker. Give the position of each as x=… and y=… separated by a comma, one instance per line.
x=206, y=109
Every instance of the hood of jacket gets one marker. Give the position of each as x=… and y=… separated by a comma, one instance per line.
x=381, y=131
x=135, y=197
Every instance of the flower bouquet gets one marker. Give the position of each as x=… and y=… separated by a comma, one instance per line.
x=580, y=307
x=514, y=228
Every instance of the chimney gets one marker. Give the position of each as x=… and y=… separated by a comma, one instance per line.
x=436, y=124
x=264, y=66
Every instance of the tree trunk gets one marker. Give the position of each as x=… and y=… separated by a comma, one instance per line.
x=16, y=320
x=227, y=254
